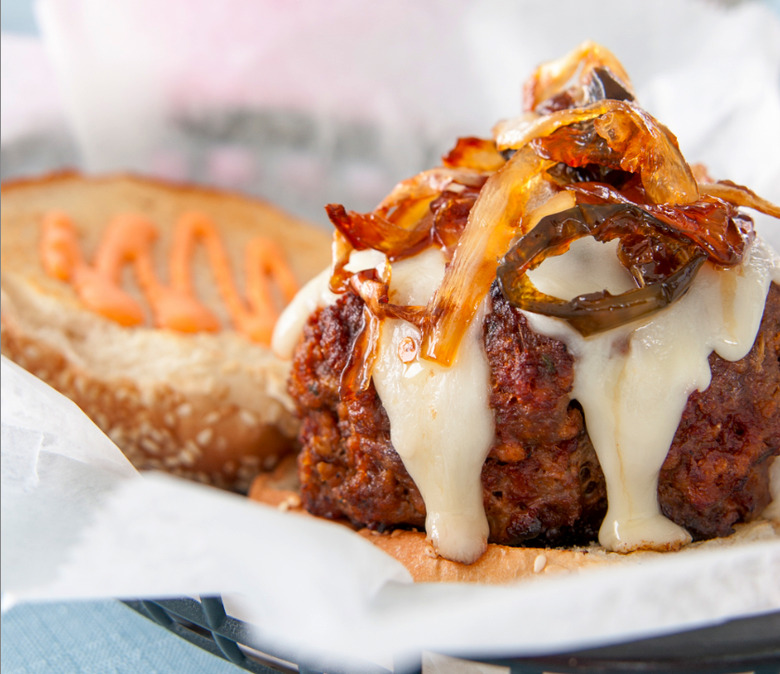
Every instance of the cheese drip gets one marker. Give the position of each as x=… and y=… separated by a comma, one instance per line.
x=633, y=382
x=441, y=424
x=315, y=295
x=289, y=328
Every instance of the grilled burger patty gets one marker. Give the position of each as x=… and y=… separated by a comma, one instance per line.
x=542, y=481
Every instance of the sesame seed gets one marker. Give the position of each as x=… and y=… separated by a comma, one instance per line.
x=204, y=437
x=248, y=418
x=539, y=563
x=150, y=445
x=408, y=349
x=193, y=449
x=184, y=410
x=186, y=457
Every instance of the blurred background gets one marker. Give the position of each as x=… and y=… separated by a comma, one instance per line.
x=307, y=103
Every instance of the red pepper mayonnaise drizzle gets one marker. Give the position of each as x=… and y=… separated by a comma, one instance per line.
x=129, y=240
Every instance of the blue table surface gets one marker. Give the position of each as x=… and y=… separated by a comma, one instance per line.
x=96, y=637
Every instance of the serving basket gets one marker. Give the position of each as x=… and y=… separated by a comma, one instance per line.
x=744, y=645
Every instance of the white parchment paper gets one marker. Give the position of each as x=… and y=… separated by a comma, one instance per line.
x=78, y=522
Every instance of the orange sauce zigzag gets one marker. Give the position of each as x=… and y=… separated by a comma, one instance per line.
x=129, y=240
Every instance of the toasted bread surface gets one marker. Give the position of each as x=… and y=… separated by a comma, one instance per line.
x=501, y=564
x=209, y=406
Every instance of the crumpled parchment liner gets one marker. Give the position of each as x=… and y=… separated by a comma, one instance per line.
x=78, y=523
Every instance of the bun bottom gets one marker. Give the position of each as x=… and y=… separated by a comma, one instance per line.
x=500, y=564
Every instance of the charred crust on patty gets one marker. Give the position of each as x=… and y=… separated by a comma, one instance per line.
x=542, y=482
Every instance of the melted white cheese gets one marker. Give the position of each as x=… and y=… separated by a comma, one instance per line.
x=441, y=424
x=588, y=266
x=289, y=326
x=633, y=383
x=314, y=295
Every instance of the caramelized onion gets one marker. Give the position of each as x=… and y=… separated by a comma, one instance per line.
x=714, y=225
x=402, y=223
x=356, y=375
x=341, y=249
x=426, y=186
x=474, y=153
x=551, y=78
x=739, y=196
x=371, y=230
x=584, y=137
x=669, y=273
x=633, y=141
x=450, y=215
x=492, y=224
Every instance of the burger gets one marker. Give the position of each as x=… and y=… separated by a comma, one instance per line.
x=565, y=335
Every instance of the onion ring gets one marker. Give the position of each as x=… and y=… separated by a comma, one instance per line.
x=594, y=312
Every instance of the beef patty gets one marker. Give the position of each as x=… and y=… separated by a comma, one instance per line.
x=542, y=481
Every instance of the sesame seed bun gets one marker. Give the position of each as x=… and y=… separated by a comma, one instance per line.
x=207, y=406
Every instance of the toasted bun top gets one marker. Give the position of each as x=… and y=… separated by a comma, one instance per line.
x=208, y=405
x=92, y=201
x=30, y=294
